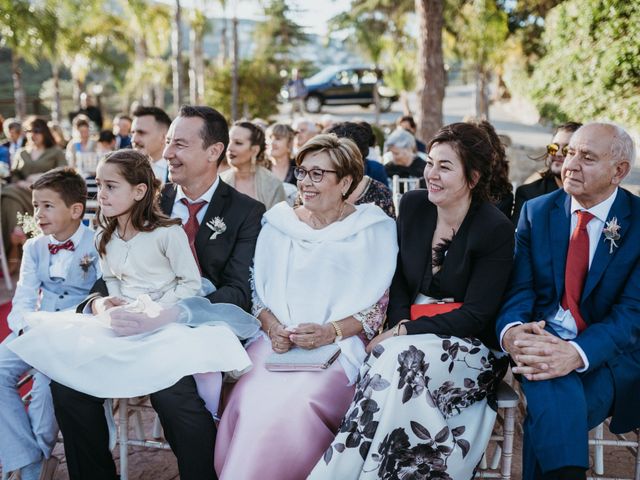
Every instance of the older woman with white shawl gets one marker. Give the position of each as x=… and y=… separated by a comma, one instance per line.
x=322, y=273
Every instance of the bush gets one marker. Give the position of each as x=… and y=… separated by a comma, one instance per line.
x=591, y=69
x=258, y=87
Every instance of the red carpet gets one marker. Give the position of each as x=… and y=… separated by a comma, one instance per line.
x=5, y=308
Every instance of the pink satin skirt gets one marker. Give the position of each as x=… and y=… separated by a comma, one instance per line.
x=277, y=425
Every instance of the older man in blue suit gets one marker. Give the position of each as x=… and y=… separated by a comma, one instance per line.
x=571, y=318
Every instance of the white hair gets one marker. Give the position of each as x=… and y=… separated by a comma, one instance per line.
x=400, y=138
x=622, y=146
x=305, y=121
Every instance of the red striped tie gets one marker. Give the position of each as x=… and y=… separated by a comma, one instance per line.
x=576, y=269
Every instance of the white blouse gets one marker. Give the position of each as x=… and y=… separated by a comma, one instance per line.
x=157, y=263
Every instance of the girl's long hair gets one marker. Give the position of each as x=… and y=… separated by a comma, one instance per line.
x=145, y=214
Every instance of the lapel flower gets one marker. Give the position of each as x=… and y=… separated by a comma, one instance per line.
x=85, y=262
x=217, y=226
x=612, y=233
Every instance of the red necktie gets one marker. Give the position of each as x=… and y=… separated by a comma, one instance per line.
x=56, y=247
x=193, y=225
x=576, y=269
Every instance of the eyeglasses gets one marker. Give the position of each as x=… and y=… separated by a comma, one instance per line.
x=554, y=148
x=33, y=130
x=315, y=174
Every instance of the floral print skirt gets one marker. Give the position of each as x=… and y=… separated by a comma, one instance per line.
x=424, y=408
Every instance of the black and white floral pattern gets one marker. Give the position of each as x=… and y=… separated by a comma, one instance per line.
x=424, y=408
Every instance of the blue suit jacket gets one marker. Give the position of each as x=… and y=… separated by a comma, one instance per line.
x=610, y=303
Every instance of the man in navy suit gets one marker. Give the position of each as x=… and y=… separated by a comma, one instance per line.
x=571, y=317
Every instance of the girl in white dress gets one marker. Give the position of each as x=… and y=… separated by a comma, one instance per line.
x=148, y=266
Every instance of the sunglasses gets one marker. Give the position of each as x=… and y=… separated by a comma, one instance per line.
x=554, y=148
x=315, y=174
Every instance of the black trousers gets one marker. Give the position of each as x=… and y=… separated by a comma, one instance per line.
x=188, y=427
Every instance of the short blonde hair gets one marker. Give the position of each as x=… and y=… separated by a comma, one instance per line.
x=344, y=154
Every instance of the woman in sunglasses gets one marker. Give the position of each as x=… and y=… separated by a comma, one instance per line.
x=550, y=181
x=321, y=276
x=39, y=155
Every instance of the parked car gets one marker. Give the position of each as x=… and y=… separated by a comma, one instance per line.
x=345, y=85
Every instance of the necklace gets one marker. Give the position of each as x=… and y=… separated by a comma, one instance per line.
x=318, y=223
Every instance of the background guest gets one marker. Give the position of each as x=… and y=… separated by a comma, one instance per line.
x=15, y=136
x=39, y=156
x=409, y=124
x=81, y=143
x=149, y=132
x=550, y=181
x=279, y=138
x=368, y=190
x=404, y=161
x=248, y=173
x=305, y=129
x=122, y=131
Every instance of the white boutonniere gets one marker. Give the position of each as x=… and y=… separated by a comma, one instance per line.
x=85, y=262
x=217, y=226
x=28, y=224
x=612, y=233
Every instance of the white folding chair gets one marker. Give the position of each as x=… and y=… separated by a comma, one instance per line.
x=400, y=186
x=598, y=441
x=3, y=258
x=134, y=407
x=501, y=442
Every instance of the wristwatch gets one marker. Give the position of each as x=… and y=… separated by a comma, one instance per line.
x=338, y=330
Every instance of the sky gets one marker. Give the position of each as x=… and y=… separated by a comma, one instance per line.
x=312, y=14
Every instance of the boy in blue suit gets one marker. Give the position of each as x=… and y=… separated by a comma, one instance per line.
x=571, y=318
x=57, y=272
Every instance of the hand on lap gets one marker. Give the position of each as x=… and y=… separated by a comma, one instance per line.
x=538, y=354
x=280, y=342
x=125, y=323
x=102, y=304
x=312, y=335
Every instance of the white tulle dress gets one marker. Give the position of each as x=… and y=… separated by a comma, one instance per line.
x=83, y=352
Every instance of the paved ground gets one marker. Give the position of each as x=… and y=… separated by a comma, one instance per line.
x=510, y=119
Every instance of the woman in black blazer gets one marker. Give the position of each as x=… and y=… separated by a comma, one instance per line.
x=425, y=400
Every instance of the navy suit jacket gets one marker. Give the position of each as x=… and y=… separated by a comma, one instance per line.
x=610, y=303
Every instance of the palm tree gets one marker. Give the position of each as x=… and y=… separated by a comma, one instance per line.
x=176, y=56
x=431, y=74
x=149, y=27
x=199, y=28
x=19, y=32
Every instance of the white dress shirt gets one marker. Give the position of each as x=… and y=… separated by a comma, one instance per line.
x=160, y=169
x=181, y=211
x=562, y=321
x=59, y=263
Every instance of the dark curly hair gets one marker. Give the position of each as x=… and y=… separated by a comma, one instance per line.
x=499, y=186
x=473, y=146
x=146, y=215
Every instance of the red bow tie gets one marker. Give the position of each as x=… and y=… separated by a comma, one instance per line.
x=56, y=247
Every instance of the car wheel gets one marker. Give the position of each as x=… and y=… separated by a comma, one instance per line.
x=365, y=105
x=313, y=104
x=385, y=104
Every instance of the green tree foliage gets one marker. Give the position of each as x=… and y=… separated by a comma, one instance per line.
x=278, y=34
x=592, y=66
x=259, y=84
x=481, y=34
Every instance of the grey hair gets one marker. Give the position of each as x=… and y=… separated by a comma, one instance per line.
x=304, y=120
x=400, y=138
x=622, y=147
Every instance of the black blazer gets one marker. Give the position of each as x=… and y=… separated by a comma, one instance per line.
x=475, y=271
x=531, y=190
x=226, y=259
